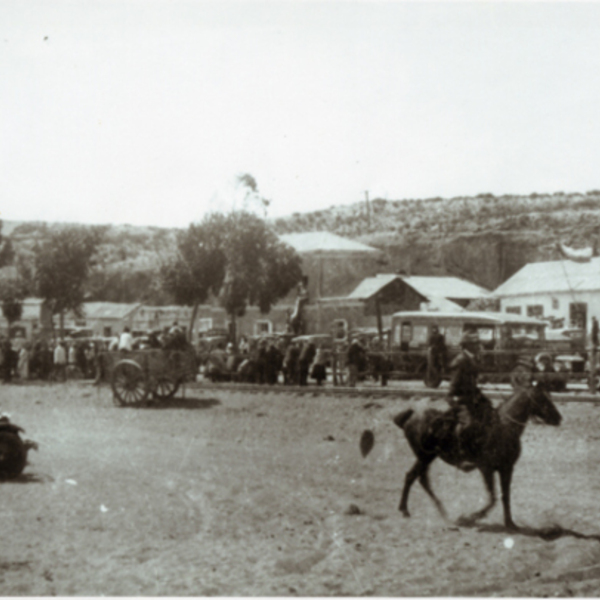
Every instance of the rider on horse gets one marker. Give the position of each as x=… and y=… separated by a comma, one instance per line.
x=470, y=409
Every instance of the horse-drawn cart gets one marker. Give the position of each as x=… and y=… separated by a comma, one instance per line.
x=143, y=376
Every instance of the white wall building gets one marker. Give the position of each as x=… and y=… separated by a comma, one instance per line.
x=564, y=292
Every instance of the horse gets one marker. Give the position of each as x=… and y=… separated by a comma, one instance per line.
x=499, y=449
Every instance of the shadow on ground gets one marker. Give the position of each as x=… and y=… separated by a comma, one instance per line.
x=28, y=478
x=548, y=534
x=188, y=403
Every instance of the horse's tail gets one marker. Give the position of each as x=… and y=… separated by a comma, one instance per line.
x=401, y=418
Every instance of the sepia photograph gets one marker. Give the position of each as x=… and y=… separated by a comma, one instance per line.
x=300, y=298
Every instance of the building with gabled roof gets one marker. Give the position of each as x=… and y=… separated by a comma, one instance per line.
x=324, y=242
x=102, y=318
x=36, y=320
x=333, y=265
x=564, y=292
x=378, y=297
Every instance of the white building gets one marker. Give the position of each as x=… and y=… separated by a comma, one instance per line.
x=564, y=292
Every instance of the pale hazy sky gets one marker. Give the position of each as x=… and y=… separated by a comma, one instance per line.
x=145, y=111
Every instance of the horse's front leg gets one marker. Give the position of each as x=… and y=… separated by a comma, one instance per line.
x=424, y=481
x=488, y=479
x=415, y=472
x=505, y=480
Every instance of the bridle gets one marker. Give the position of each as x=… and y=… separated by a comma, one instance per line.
x=534, y=402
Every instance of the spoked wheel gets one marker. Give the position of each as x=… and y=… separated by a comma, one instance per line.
x=166, y=388
x=13, y=455
x=129, y=384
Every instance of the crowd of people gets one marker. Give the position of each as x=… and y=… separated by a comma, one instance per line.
x=61, y=359
x=46, y=360
x=279, y=359
x=268, y=360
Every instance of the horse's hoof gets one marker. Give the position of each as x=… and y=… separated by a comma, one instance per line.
x=465, y=521
x=405, y=513
x=510, y=526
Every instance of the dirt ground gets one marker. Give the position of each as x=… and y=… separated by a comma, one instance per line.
x=237, y=495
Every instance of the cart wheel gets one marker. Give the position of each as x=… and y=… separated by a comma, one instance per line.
x=129, y=384
x=521, y=377
x=13, y=455
x=166, y=388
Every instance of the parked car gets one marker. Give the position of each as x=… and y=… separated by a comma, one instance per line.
x=507, y=344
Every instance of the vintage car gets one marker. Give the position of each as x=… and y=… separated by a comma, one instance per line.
x=508, y=344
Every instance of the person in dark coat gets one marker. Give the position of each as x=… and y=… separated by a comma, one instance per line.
x=356, y=359
x=8, y=362
x=437, y=354
x=319, y=367
x=471, y=407
x=290, y=364
x=273, y=364
x=261, y=362
x=307, y=356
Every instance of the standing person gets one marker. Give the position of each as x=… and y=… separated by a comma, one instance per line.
x=437, y=354
x=319, y=368
x=244, y=346
x=9, y=361
x=71, y=355
x=2, y=355
x=261, y=361
x=274, y=361
x=60, y=361
x=126, y=341
x=355, y=361
x=307, y=356
x=23, y=367
x=290, y=364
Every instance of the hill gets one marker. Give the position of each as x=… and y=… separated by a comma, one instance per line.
x=484, y=239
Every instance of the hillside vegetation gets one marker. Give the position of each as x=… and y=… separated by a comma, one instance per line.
x=484, y=239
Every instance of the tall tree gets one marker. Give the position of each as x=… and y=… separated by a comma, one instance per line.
x=260, y=268
x=198, y=267
x=62, y=265
x=238, y=258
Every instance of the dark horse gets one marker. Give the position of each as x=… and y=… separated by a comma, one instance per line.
x=499, y=449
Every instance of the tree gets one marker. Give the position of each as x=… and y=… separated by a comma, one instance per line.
x=12, y=292
x=260, y=269
x=236, y=257
x=63, y=263
x=198, y=267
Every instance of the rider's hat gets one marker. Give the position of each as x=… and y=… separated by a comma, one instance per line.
x=469, y=340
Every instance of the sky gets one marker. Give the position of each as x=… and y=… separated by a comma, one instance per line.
x=146, y=112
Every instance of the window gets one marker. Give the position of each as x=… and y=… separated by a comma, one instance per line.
x=204, y=325
x=262, y=327
x=419, y=335
x=406, y=332
x=535, y=310
x=578, y=314
x=339, y=329
x=555, y=304
x=453, y=335
x=107, y=332
x=515, y=310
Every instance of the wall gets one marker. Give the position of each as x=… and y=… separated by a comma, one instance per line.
x=564, y=299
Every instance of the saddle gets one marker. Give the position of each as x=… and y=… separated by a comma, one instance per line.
x=461, y=430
